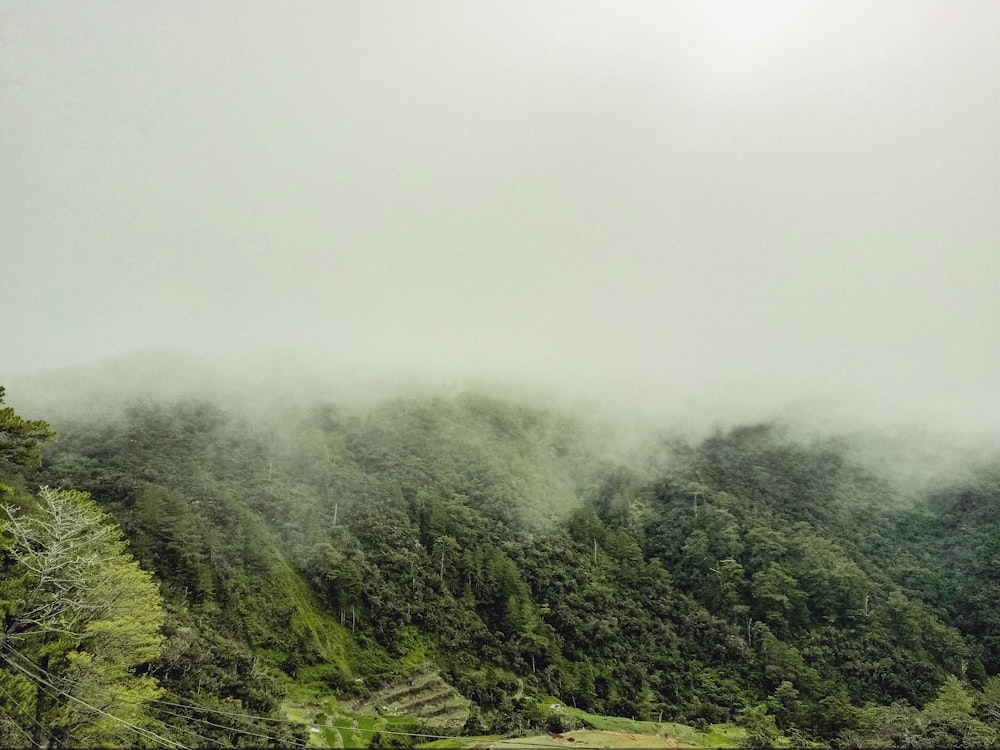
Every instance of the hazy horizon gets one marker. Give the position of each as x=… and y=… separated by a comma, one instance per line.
x=714, y=205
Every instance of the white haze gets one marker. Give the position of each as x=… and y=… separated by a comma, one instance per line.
x=723, y=209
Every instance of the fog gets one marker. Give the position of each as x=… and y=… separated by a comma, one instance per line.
x=719, y=208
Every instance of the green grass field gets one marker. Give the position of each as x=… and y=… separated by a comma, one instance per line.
x=718, y=735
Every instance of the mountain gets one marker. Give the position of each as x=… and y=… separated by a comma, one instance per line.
x=516, y=557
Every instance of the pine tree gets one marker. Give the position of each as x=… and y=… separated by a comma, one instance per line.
x=20, y=439
x=78, y=616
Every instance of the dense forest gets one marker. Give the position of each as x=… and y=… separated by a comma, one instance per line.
x=173, y=573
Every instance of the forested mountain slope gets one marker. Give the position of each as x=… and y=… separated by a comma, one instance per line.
x=751, y=577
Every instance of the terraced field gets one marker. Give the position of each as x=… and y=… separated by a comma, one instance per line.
x=423, y=695
x=423, y=704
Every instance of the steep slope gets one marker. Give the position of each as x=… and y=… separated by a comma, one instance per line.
x=753, y=577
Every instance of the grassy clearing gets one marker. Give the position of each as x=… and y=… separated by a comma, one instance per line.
x=589, y=739
x=296, y=713
x=724, y=735
x=462, y=742
x=308, y=621
x=718, y=735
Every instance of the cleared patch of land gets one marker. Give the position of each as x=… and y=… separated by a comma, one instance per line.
x=423, y=695
x=585, y=739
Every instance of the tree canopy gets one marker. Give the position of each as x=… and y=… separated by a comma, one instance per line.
x=751, y=577
x=79, y=616
x=21, y=439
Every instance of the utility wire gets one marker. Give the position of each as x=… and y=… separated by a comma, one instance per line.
x=17, y=726
x=282, y=721
x=201, y=737
x=19, y=729
x=225, y=713
x=42, y=680
x=191, y=732
x=299, y=723
x=195, y=734
x=348, y=729
x=234, y=730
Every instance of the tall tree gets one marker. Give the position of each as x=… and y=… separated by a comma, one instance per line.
x=20, y=439
x=79, y=616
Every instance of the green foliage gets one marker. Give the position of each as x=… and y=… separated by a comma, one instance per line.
x=761, y=730
x=84, y=618
x=21, y=439
x=757, y=578
x=948, y=721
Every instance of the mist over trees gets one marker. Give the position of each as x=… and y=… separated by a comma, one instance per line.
x=756, y=577
x=430, y=370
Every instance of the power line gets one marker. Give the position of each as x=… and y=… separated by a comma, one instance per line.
x=42, y=680
x=299, y=723
x=296, y=743
x=34, y=721
x=17, y=726
x=189, y=731
x=225, y=713
x=230, y=729
x=192, y=733
x=348, y=729
x=268, y=718
x=21, y=730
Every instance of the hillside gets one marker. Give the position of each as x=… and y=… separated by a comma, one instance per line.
x=446, y=563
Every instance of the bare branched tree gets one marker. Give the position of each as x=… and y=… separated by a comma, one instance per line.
x=78, y=615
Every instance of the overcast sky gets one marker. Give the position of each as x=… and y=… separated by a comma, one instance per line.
x=706, y=198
